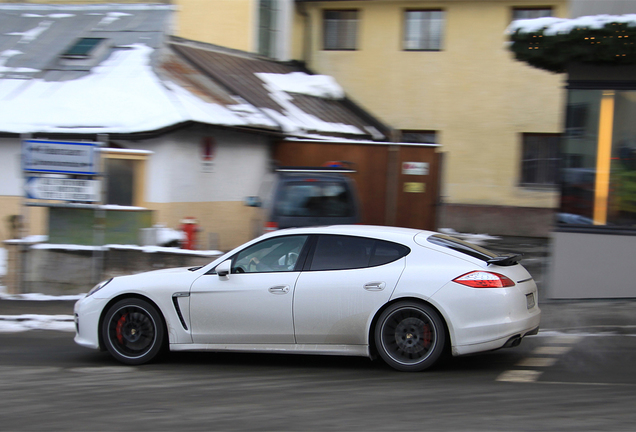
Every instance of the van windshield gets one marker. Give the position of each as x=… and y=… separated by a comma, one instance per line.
x=315, y=199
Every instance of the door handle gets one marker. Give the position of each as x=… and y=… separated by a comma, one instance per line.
x=279, y=289
x=374, y=286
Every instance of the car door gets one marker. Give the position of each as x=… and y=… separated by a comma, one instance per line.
x=252, y=304
x=347, y=281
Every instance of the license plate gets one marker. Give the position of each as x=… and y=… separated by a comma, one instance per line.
x=530, y=300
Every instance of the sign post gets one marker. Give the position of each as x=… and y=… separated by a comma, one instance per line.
x=60, y=171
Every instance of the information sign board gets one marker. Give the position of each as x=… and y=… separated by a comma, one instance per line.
x=62, y=189
x=62, y=157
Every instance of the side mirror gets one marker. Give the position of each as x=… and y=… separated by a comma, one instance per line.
x=224, y=268
x=253, y=201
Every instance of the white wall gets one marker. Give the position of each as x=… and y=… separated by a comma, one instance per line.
x=175, y=171
x=11, y=179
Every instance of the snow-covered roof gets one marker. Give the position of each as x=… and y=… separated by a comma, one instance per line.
x=138, y=83
x=299, y=101
x=41, y=91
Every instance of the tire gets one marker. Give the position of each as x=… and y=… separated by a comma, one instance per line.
x=410, y=336
x=133, y=331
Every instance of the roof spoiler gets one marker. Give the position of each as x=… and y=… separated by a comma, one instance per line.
x=506, y=260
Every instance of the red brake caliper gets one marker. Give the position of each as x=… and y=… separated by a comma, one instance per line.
x=120, y=324
x=426, y=336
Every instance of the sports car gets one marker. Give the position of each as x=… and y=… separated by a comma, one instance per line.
x=404, y=295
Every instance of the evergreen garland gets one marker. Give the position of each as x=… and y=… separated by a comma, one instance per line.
x=615, y=43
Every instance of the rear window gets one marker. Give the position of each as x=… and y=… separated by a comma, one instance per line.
x=462, y=246
x=314, y=199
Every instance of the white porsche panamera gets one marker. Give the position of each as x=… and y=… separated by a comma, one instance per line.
x=405, y=295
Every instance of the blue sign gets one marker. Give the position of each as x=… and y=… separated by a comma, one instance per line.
x=60, y=157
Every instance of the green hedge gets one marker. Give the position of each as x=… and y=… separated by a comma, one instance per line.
x=615, y=43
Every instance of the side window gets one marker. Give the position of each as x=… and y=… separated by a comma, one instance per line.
x=278, y=254
x=343, y=252
x=386, y=252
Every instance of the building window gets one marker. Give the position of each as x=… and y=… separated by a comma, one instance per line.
x=419, y=136
x=125, y=176
x=540, y=159
x=267, y=27
x=529, y=13
x=423, y=30
x=83, y=48
x=340, y=29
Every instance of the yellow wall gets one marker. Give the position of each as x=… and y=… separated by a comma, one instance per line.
x=229, y=23
x=472, y=91
x=36, y=217
x=230, y=220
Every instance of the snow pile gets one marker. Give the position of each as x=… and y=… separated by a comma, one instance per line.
x=20, y=323
x=322, y=86
x=120, y=95
x=477, y=239
x=145, y=249
x=3, y=262
x=41, y=297
x=553, y=26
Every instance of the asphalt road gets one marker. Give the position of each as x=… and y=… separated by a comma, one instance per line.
x=553, y=381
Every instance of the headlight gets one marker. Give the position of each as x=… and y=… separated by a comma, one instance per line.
x=98, y=287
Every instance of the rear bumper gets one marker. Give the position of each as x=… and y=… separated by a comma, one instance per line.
x=509, y=341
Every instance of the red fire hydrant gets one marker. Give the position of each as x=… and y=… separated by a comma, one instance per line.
x=190, y=227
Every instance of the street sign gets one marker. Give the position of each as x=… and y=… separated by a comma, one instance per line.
x=61, y=157
x=62, y=189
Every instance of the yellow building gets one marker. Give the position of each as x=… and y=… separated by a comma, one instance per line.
x=434, y=71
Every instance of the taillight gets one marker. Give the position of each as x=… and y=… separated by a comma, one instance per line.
x=271, y=226
x=484, y=279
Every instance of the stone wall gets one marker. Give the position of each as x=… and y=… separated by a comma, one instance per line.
x=62, y=271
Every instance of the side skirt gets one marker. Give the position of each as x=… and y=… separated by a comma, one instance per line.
x=340, y=350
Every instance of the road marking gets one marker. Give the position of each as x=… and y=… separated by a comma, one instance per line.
x=541, y=357
x=551, y=350
x=537, y=362
x=519, y=376
x=565, y=339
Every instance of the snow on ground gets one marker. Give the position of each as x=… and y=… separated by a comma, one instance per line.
x=40, y=297
x=20, y=323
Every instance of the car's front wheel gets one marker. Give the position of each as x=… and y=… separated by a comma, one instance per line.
x=410, y=336
x=133, y=331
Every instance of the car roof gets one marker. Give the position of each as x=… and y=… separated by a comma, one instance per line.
x=391, y=233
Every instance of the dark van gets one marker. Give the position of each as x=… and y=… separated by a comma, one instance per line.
x=306, y=196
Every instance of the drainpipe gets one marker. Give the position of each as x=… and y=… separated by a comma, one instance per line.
x=302, y=9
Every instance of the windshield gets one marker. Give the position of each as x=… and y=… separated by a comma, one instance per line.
x=315, y=199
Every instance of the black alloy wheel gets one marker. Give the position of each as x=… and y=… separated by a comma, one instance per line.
x=410, y=336
x=133, y=331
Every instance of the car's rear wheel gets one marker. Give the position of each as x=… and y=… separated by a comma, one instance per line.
x=410, y=336
x=133, y=331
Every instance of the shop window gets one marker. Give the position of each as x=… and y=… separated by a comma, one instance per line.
x=540, y=159
x=340, y=29
x=419, y=136
x=423, y=30
x=530, y=13
x=599, y=160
